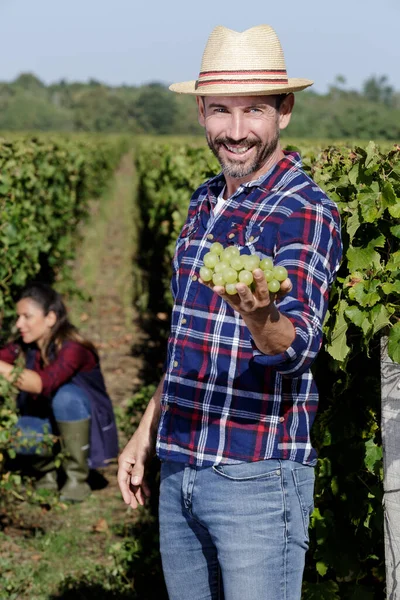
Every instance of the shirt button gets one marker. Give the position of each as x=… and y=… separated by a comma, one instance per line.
x=194, y=278
x=281, y=419
x=184, y=321
x=210, y=236
x=176, y=363
x=251, y=238
x=166, y=407
x=231, y=235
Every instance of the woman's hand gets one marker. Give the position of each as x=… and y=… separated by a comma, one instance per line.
x=27, y=381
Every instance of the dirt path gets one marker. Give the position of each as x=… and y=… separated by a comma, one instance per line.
x=62, y=549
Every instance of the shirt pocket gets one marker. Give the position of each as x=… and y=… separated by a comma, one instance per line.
x=187, y=233
x=245, y=236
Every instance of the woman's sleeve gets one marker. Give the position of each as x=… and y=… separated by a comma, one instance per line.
x=72, y=358
x=9, y=353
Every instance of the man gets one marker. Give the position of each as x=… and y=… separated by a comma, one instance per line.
x=231, y=417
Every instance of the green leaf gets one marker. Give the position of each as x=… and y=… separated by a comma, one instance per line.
x=395, y=230
x=353, y=173
x=372, y=154
x=394, y=343
x=355, y=315
x=353, y=223
x=338, y=347
x=388, y=195
x=364, y=258
x=322, y=568
x=373, y=455
x=391, y=287
x=393, y=264
x=380, y=317
x=394, y=210
x=324, y=590
x=370, y=205
x=367, y=293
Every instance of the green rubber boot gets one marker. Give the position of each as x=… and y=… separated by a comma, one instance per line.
x=45, y=473
x=75, y=444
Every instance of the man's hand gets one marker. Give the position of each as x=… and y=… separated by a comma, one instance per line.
x=271, y=331
x=132, y=464
x=245, y=301
x=138, y=453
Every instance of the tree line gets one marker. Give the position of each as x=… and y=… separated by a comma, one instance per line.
x=28, y=104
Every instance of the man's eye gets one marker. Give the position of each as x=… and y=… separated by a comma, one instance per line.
x=256, y=110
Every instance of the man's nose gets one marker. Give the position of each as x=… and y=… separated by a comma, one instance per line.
x=237, y=127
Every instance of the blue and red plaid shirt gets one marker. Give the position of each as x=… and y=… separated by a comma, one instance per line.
x=223, y=401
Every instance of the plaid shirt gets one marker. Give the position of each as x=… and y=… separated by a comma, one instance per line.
x=223, y=401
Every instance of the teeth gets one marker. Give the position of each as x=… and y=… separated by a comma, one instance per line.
x=238, y=149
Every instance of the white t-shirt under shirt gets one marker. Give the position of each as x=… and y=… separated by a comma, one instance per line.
x=220, y=201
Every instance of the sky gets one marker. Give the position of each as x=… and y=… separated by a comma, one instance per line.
x=135, y=42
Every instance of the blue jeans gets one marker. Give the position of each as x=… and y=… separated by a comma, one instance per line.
x=238, y=532
x=70, y=403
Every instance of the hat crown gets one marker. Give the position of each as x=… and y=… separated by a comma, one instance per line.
x=257, y=48
x=246, y=63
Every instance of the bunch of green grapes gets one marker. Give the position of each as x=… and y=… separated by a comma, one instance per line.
x=227, y=267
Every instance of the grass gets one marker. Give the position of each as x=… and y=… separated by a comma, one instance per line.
x=99, y=548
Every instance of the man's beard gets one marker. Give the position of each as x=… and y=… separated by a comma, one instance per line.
x=239, y=169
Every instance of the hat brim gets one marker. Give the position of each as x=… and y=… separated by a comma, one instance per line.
x=240, y=89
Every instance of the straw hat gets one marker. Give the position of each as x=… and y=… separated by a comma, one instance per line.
x=250, y=63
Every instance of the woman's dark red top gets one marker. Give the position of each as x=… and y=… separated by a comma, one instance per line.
x=76, y=364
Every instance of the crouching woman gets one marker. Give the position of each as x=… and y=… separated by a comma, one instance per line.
x=62, y=391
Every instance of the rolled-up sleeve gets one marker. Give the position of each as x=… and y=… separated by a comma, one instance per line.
x=309, y=246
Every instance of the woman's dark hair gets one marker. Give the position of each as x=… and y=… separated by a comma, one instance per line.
x=51, y=301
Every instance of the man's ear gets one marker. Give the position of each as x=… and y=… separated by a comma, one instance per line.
x=201, y=110
x=285, y=111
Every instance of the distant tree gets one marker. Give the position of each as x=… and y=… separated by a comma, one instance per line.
x=157, y=109
x=377, y=89
x=25, y=113
x=27, y=103
x=28, y=82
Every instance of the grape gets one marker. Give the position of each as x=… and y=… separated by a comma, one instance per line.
x=210, y=260
x=274, y=286
x=216, y=248
x=269, y=275
x=226, y=266
x=246, y=260
x=266, y=263
x=237, y=263
x=230, y=289
x=230, y=275
x=221, y=266
x=280, y=273
x=229, y=252
x=253, y=262
x=246, y=277
x=206, y=274
x=218, y=279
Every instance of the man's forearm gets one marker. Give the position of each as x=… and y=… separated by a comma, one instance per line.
x=151, y=416
x=271, y=331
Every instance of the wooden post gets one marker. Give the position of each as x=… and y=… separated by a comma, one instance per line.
x=390, y=424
